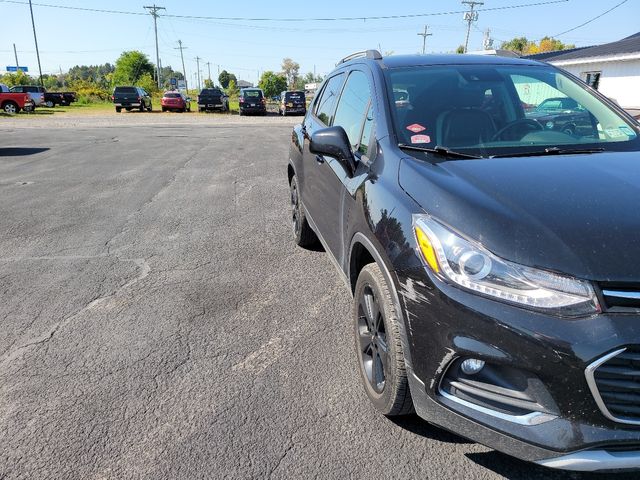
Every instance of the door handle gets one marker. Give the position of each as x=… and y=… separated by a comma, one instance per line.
x=319, y=159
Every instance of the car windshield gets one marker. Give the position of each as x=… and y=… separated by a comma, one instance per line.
x=252, y=93
x=487, y=110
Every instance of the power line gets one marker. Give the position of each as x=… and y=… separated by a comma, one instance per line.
x=593, y=19
x=313, y=19
x=153, y=10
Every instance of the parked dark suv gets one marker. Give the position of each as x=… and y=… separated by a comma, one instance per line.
x=130, y=98
x=493, y=262
x=251, y=100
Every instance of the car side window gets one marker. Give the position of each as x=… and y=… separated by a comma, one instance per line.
x=326, y=105
x=353, y=105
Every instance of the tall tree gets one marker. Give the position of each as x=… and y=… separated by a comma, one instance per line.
x=290, y=70
x=225, y=77
x=272, y=84
x=131, y=67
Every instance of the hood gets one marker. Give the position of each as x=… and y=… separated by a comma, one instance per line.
x=576, y=214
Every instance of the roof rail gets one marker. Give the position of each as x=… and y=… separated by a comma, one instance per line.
x=372, y=54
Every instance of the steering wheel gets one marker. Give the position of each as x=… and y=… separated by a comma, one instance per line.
x=515, y=123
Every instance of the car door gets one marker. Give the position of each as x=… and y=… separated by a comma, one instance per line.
x=317, y=174
x=351, y=112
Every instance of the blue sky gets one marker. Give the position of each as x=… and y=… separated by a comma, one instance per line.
x=72, y=37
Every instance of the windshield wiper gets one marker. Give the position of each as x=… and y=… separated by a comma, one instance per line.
x=552, y=151
x=442, y=151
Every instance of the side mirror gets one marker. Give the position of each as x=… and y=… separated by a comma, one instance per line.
x=334, y=142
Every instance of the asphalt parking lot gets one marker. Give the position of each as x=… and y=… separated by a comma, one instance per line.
x=158, y=322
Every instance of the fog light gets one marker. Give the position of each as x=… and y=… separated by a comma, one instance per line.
x=471, y=366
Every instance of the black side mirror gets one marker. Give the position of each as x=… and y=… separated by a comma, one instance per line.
x=334, y=142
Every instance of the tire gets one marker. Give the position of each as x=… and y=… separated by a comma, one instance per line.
x=10, y=107
x=303, y=234
x=379, y=346
x=150, y=109
x=128, y=109
x=118, y=109
x=164, y=109
x=49, y=104
x=142, y=107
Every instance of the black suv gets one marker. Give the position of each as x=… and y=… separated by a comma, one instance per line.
x=251, y=100
x=493, y=261
x=130, y=98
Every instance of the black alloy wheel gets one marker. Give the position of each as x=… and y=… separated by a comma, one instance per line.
x=372, y=340
x=379, y=347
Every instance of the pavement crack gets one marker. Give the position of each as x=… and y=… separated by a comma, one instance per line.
x=13, y=354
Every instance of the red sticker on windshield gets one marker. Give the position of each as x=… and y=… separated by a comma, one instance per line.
x=420, y=139
x=416, y=128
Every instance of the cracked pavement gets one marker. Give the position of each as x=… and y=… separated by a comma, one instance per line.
x=158, y=322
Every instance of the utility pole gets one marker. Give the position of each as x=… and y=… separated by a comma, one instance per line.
x=218, y=70
x=184, y=70
x=209, y=67
x=154, y=13
x=424, y=36
x=198, y=61
x=487, y=42
x=35, y=38
x=15, y=52
x=470, y=17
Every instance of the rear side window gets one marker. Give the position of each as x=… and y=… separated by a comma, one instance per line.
x=327, y=102
x=126, y=90
x=211, y=91
x=294, y=96
x=252, y=94
x=353, y=106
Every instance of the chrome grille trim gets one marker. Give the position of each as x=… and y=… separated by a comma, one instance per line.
x=593, y=386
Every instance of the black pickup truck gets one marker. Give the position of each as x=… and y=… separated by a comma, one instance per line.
x=44, y=98
x=213, y=99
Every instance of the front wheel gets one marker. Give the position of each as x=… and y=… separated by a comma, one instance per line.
x=378, y=344
x=118, y=109
x=49, y=104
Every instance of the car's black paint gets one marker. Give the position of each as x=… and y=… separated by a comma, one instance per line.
x=573, y=214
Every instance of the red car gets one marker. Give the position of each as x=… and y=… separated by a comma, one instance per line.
x=12, y=103
x=176, y=101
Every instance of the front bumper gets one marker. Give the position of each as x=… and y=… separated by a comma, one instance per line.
x=445, y=323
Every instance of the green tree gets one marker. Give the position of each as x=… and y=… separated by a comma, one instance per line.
x=232, y=89
x=225, y=77
x=460, y=49
x=272, y=84
x=147, y=82
x=290, y=70
x=523, y=46
x=18, y=78
x=131, y=67
x=208, y=83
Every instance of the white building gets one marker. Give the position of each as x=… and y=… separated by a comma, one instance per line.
x=612, y=68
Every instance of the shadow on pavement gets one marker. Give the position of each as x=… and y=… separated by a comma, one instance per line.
x=416, y=425
x=20, y=152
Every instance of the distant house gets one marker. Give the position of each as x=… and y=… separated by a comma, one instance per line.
x=244, y=84
x=612, y=68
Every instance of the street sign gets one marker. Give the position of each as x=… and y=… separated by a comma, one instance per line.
x=15, y=69
x=182, y=85
x=174, y=82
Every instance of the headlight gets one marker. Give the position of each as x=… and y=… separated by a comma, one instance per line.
x=467, y=264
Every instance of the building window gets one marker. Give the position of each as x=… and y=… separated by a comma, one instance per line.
x=592, y=79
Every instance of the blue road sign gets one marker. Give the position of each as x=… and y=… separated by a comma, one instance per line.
x=174, y=82
x=15, y=69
